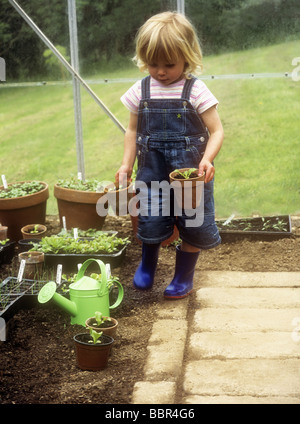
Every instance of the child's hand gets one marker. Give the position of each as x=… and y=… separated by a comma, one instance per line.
x=123, y=175
x=208, y=168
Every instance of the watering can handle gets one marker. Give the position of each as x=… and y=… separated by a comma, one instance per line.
x=120, y=295
x=86, y=264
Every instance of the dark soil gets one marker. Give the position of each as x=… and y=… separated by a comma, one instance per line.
x=37, y=362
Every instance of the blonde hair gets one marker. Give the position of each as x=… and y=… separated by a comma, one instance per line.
x=171, y=37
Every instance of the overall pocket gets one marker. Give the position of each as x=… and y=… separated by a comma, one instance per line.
x=165, y=122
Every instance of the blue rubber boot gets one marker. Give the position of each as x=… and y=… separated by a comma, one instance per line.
x=182, y=283
x=144, y=275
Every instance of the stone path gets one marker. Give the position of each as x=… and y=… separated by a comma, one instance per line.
x=235, y=341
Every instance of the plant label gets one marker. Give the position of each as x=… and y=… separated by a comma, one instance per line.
x=229, y=219
x=58, y=274
x=75, y=232
x=64, y=223
x=21, y=270
x=79, y=176
x=4, y=182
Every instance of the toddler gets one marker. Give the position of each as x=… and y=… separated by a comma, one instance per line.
x=173, y=124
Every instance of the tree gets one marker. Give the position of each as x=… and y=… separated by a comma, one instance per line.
x=20, y=46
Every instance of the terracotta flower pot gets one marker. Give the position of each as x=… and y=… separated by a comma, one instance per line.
x=118, y=198
x=34, y=264
x=36, y=231
x=79, y=208
x=108, y=327
x=187, y=191
x=90, y=356
x=17, y=212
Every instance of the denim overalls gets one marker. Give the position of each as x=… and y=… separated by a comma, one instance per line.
x=171, y=135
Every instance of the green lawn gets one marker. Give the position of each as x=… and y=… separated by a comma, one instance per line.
x=257, y=170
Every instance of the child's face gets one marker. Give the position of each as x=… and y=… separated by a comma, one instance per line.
x=166, y=73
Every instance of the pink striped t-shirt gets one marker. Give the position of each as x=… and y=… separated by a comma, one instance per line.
x=201, y=97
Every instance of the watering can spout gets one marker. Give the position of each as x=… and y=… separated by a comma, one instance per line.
x=48, y=292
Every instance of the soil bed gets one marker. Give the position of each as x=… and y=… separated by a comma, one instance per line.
x=38, y=365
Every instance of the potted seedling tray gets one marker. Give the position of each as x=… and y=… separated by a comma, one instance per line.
x=9, y=305
x=70, y=261
x=15, y=295
x=11, y=295
x=7, y=252
x=257, y=228
x=70, y=251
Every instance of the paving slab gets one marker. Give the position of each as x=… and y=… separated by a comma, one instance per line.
x=245, y=319
x=238, y=342
x=241, y=400
x=157, y=392
x=243, y=377
x=246, y=279
x=231, y=297
x=166, y=349
x=228, y=345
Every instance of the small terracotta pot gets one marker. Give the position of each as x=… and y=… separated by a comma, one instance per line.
x=34, y=263
x=28, y=234
x=187, y=191
x=118, y=198
x=90, y=356
x=110, y=331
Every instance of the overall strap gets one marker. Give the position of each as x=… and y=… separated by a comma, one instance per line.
x=146, y=87
x=188, y=85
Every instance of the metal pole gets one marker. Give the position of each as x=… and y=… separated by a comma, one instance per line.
x=76, y=87
x=180, y=6
x=65, y=62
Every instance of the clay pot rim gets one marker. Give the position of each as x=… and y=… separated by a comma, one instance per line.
x=43, y=230
x=116, y=184
x=27, y=200
x=109, y=340
x=198, y=178
x=77, y=196
x=114, y=323
x=27, y=254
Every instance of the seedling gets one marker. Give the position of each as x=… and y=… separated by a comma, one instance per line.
x=3, y=242
x=65, y=244
x=95, y=336
x=21, y=189
x=35, y=229
x=186, y=174
x=75, y=184
x=100, y=319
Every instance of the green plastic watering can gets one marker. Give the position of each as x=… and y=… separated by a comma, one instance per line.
x=86, y=295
